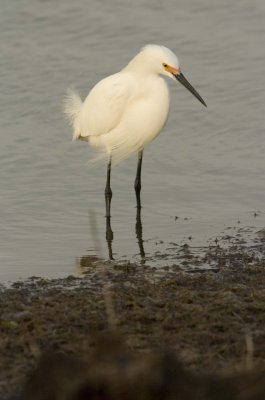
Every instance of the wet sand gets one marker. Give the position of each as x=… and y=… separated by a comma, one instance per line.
x=211, y=323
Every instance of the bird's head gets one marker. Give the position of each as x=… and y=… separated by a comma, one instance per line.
x=164, y=62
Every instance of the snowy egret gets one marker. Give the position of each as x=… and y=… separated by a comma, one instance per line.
x=126, y=111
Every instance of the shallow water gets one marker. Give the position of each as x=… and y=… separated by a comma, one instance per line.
x=207, y=168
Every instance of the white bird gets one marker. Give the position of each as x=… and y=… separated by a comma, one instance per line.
x=126, y=111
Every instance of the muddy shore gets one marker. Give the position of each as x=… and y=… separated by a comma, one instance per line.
x=212, y=322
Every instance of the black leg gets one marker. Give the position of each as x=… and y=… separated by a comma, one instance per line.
x=108, y=192
x=137, y=182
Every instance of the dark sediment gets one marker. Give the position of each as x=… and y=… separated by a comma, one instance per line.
x=212, y=324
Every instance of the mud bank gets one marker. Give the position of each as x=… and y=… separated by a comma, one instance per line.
x=212, y=324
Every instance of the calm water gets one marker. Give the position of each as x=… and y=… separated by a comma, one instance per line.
x=207, y=167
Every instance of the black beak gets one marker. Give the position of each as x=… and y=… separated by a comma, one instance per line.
x=181, y=78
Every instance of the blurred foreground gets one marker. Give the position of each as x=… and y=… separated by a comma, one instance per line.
x=157, y=322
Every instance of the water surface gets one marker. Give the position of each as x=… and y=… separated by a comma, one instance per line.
x=207, y=168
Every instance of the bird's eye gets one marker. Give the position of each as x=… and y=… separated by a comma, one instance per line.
x=164, y=65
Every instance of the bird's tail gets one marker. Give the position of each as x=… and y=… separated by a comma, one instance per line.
x=72, y=108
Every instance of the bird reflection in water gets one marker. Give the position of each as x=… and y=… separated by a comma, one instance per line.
x=138, y=225
x=138, y=232
x=139, y=236
x=109, y=237
x=91, y=261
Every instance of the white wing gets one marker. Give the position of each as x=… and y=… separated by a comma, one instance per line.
x=105, y=105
